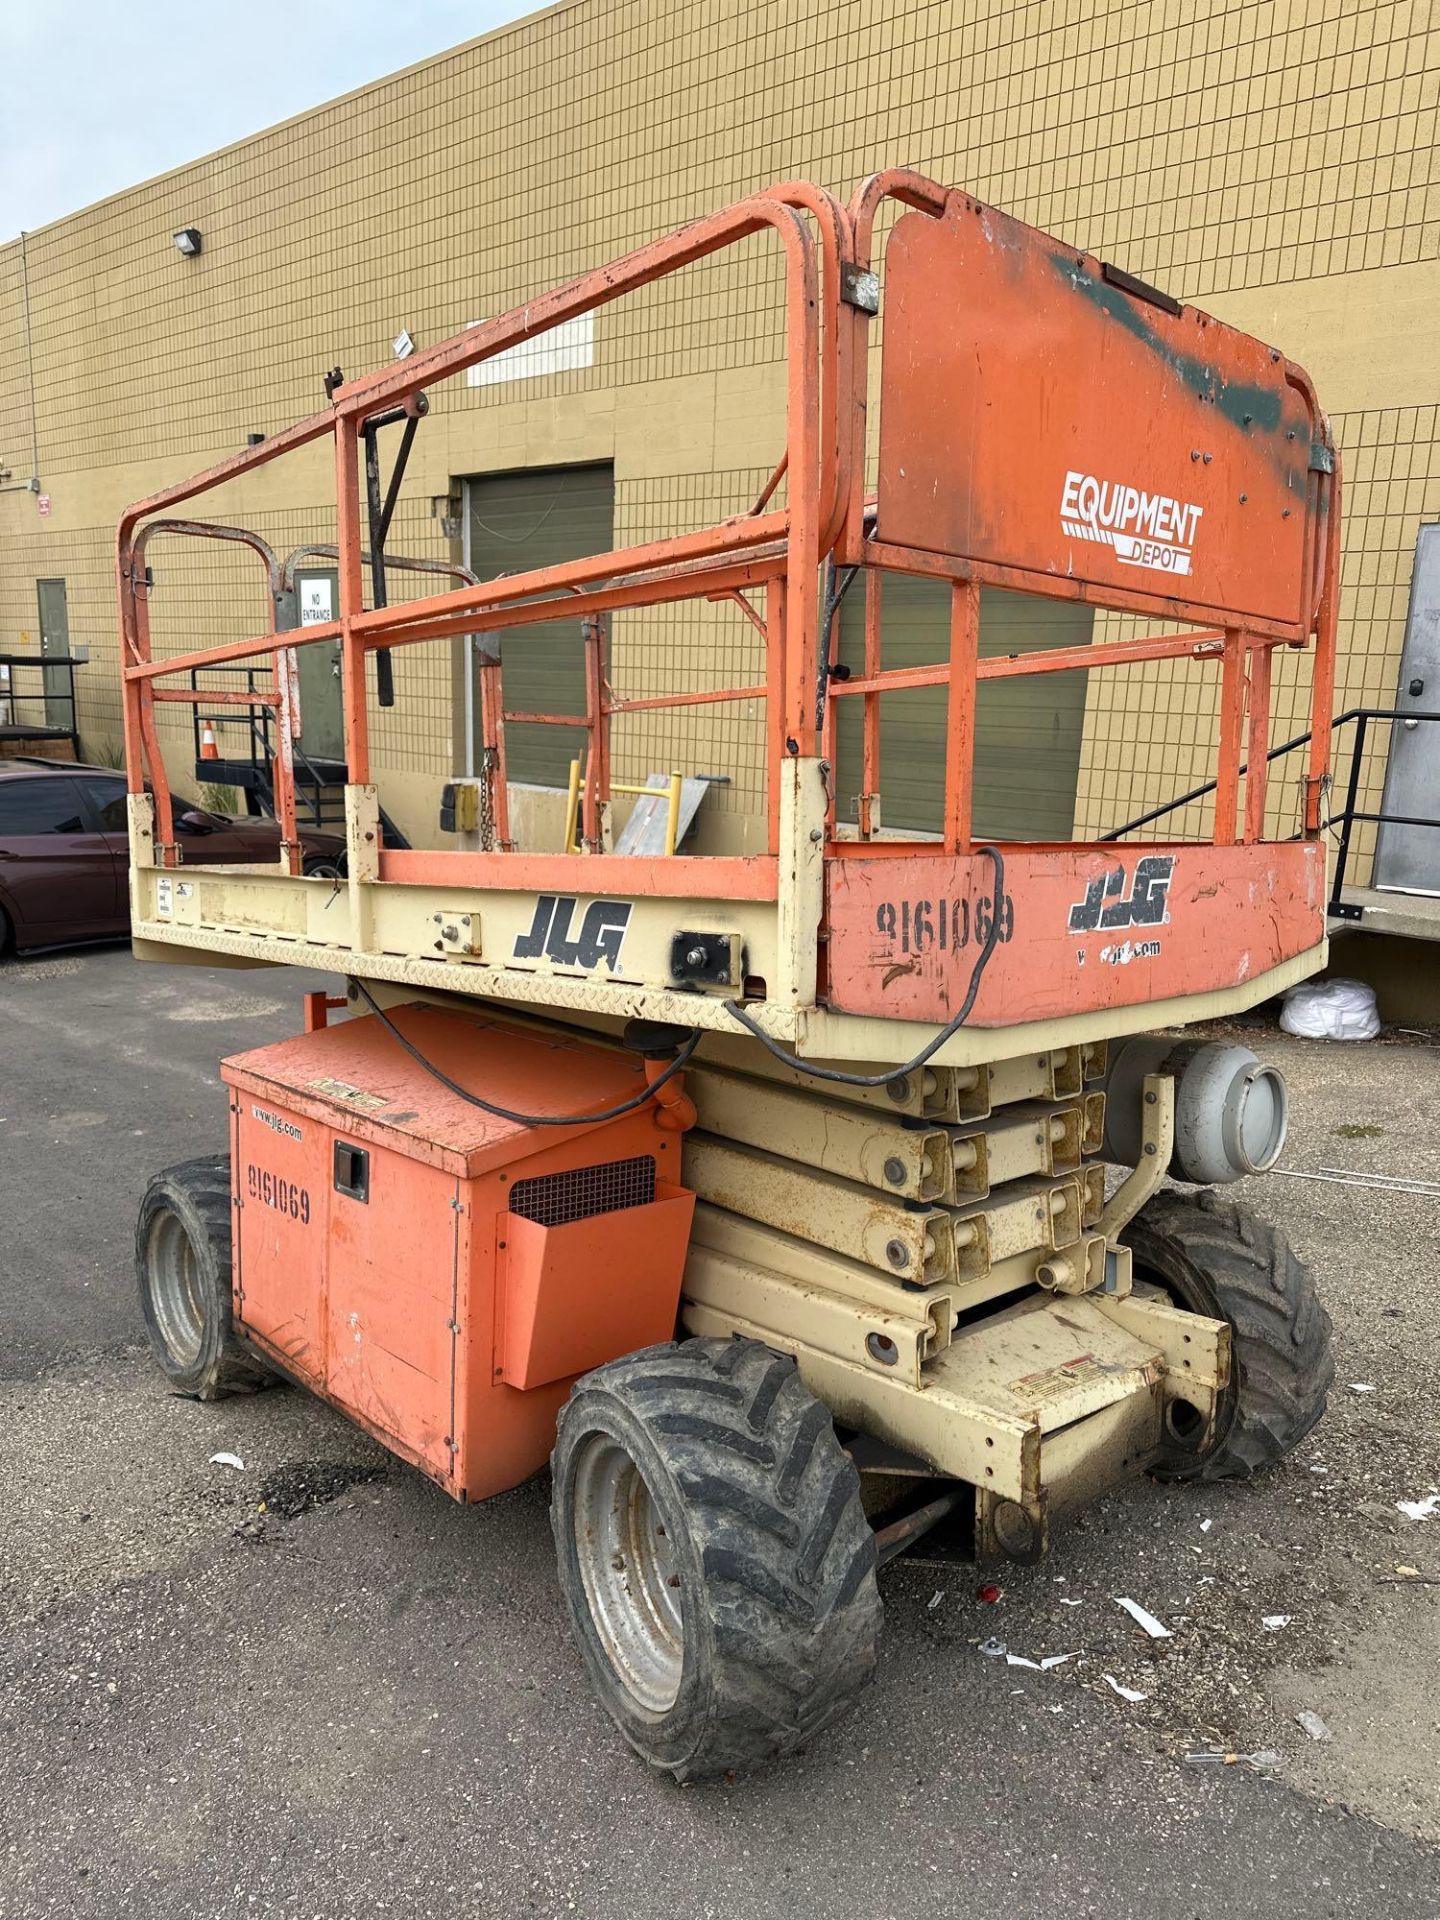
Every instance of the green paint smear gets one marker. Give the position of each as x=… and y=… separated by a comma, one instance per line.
x=1242, y=406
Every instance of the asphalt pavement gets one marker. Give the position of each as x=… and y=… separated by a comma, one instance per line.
x=315, y=1687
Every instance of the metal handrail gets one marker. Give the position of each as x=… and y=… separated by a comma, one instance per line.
x=1360, y=718
x=46, y=665
x=261, y=748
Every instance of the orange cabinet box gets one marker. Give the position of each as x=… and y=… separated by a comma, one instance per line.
x=437, y=1272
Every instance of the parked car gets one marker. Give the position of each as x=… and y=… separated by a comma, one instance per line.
x=64, y=851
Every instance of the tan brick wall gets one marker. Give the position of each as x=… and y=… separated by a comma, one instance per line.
x=1275, y=162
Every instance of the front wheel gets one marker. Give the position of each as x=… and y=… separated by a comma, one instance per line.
x=182, y=1264
x=715, y=1559
x=1214, y=1258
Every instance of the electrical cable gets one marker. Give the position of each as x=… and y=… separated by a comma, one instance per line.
x=527, y=1119
x=737, y=1012
x=977, y=973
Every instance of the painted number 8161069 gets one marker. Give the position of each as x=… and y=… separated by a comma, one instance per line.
x=285, y=1196
x=923, y=926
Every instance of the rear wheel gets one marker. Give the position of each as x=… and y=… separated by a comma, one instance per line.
x=325, y=867
x=715, y=1560
x=1221, y=1260
x=182, y=1264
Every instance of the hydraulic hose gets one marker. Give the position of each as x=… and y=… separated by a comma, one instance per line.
x=528, y=1119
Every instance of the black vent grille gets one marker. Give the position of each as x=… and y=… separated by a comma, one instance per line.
x=555, y=1199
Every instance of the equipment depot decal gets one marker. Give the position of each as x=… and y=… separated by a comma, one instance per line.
x=1145, y=529
x=1107, y=907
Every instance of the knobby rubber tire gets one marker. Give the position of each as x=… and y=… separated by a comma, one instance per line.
x=772, y=1551
x=193, y=1199
x=1219, y=1259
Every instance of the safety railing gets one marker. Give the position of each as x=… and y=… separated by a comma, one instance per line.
x=251, y=707
x=1362, y=716
x=28, y=711
x=1341, y=824
x=768, y=561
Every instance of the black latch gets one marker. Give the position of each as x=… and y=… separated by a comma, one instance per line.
x=1139, y=289
x=352, y=1171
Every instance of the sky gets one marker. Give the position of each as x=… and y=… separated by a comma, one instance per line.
x=102, y=94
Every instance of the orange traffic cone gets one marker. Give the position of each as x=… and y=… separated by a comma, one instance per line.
x=208, y=748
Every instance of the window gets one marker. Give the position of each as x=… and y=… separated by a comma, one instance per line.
x=39, y=806
x=108, y=799
x=539, y=518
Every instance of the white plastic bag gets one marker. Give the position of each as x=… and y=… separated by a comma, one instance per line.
x=1331, y=1010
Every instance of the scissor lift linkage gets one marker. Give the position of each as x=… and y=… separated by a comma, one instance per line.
x=844, y=1104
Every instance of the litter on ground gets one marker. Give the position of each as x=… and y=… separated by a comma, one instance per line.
x=1313, y=1725
x=1155, y=1628
x=1273, y=1622
x=1125, y=1693
x=1425, y=1509
x=227, y=1460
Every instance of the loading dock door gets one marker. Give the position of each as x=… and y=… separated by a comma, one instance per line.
x=537, y=518
x=1028, y=732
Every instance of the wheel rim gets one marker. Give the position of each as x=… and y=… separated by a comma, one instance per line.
x=629, y=1572
x=175, y=1291
x=324, y=870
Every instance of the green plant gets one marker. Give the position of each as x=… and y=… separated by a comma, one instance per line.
x=218, y=799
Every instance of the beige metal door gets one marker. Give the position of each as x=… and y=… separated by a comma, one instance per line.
x=317, y=598
x=55, y=645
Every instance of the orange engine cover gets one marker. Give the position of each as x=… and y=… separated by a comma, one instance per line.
x=440, y=1274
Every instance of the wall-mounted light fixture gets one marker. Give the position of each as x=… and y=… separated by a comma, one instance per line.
x=187, y=241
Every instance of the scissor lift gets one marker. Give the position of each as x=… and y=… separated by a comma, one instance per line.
x=845, y=1105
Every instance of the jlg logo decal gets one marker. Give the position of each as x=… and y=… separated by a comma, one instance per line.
x=1106, y=905
x=1145, y=529
x=601, y=935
